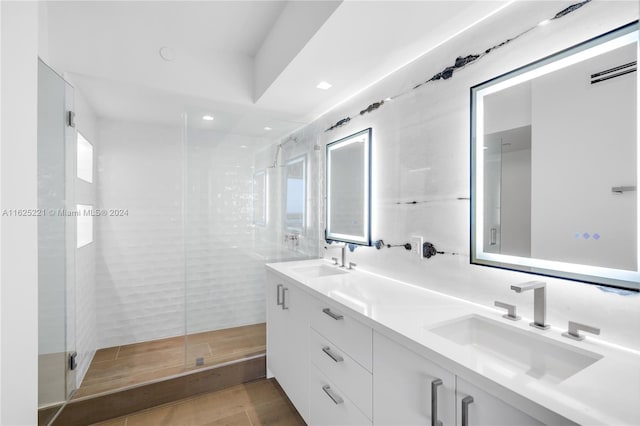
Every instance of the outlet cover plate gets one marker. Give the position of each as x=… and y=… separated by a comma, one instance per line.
x=416, y=246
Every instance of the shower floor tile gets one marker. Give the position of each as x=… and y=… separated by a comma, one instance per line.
x=121, y=366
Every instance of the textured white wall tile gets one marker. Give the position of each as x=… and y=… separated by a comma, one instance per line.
x=184, y=241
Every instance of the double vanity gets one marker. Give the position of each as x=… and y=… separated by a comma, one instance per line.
x=351, y=347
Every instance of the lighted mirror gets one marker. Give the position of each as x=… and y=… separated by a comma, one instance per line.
x=260, y=198
x=295, y=195
x=554, y=165
x=348, y=189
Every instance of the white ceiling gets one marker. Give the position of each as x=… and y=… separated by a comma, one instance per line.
x=251, y=64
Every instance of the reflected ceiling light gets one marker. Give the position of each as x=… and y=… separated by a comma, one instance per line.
x=207, y=117
x=543, y=23
x=243, y=146
x=267, y=128
x=323, y=85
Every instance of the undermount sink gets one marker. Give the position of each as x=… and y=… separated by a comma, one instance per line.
x=319, y=270
x=506, y=349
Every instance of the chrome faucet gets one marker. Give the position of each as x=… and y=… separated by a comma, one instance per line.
x=344, y=253
x=539, y=301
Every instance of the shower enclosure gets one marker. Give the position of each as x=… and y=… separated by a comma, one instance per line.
x=164, y=243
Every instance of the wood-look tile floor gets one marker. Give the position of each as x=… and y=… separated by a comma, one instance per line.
x=261, y=402
x=121, y=366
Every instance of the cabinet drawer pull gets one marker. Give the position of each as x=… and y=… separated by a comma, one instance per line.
x=336, y=317
x=285, y=291
x=336, y=358
x=434, y=402
x=278, y=293
x=334, y=397
x=465, y=409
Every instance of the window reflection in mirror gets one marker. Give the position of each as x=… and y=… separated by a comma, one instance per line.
x=554, y=170
x=348, y=189
x=260, y=198
x=295, y=196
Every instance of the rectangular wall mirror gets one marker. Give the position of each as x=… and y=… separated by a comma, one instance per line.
x=348, y=189
x=295, y=195
x=554, y=150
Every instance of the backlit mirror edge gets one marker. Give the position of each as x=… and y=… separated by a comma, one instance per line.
x=608, y=277
x=350, y=239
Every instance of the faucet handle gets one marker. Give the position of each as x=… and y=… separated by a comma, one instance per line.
x=352, y=265
x=511, y=310
x=335, y=260
x=574, y=329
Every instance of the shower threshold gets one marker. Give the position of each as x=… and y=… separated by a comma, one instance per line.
x=129, y=365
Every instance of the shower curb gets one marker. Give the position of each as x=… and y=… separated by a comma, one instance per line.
x=109, y=405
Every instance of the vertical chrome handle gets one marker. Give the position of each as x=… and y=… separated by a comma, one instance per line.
x=278, y=292
x=334, y=397
x=336, y=358
x=435, y=384
x=336, y=317
x=285, y=290
x=465, y=409
x=494, y=236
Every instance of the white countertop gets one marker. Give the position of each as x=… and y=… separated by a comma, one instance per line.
x=605, y=393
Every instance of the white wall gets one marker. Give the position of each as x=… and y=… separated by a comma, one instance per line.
x=421, y=152
x=18, y=246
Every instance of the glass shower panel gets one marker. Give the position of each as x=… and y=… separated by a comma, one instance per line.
x=224, y=267
x=56, y=243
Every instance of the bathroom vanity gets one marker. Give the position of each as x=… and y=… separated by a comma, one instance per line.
x=351, y=347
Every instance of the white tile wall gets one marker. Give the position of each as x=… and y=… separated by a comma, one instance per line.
x=143, y=281
x=421, y=153
x=140, y=262
x=225, y=286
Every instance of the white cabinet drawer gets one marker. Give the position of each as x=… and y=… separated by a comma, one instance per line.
x=341, y=369
x=346, y=333
x=328, y=404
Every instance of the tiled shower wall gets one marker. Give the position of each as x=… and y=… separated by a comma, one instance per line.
x=192, y=197
x=225, y=267
x=270, y=236
x=421, y=153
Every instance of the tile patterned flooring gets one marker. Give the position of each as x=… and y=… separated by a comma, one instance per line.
x=261, y=402
x=122, y=366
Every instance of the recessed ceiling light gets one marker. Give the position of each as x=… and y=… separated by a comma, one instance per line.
x=243, y=146
x=167, y=53
x=207, y=117
x=323, y=85
x=267, y=128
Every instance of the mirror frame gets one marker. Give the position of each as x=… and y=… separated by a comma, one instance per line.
x=364, y=240
x=609, y=277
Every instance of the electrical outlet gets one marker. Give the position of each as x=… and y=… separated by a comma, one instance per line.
x=416, y=246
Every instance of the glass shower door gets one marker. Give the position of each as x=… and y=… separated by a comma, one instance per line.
x=224, y=270
x=56, y=243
